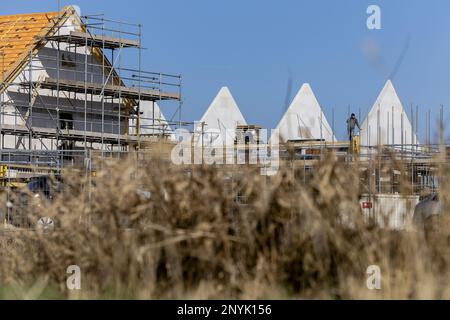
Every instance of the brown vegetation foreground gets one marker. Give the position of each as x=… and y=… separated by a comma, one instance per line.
x=191, y=239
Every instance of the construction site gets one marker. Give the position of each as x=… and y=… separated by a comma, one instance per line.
x=201, y=180
x=68, y=99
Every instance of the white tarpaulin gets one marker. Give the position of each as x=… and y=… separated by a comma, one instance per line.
x=220, y=120
x=304, y=118
x=387, y=122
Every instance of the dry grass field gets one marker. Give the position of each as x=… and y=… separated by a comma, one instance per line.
x=163, y=231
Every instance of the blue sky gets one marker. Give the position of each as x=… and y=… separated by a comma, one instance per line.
x=253, y=47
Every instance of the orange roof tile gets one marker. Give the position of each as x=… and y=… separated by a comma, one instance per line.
x=18, y=34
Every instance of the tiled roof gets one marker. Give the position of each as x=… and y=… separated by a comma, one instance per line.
x=18, y=34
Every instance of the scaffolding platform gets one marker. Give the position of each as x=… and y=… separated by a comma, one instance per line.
x=71, y=135
x=99, y=41
x=89, y=61
x=107, y=90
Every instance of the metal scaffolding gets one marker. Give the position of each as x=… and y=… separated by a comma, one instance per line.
x=76, y=95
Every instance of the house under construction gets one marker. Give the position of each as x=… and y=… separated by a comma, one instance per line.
x=68, y=92
x=66, y=89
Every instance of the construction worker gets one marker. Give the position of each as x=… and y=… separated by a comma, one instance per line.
x=352, y=122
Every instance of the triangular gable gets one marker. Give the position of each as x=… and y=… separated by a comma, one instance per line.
x=31, y=30
x=159, y=126
x=384, y=124
x=222, y=116
x=22, y=33
x=304, y=118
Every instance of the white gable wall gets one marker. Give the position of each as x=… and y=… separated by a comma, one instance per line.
x=220, y=120
x=304, y=119
x=152, y=120
x=387, y=121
